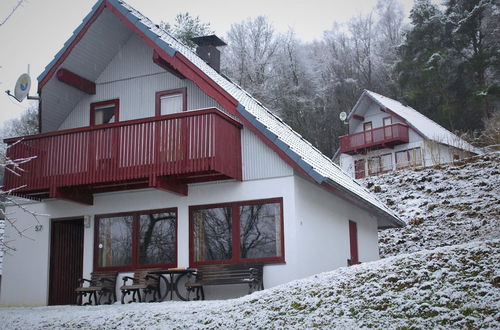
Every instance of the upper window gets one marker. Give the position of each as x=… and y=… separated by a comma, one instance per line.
x=133, y=240
x=237, y=232
x=171, y=101
x=104, y=112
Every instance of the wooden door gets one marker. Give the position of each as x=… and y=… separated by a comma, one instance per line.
x=353, y=243
x=367, y=128
x=359, y=168
x=66, y=260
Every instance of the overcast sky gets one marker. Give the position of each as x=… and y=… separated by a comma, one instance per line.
x=39, y=28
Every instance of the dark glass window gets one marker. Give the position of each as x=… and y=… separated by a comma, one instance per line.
x=157, y=238
x=115, y=240
x=237, y=232
x=212, y=234
x=138, y=239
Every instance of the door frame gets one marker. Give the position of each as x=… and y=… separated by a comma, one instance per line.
x=51, y=232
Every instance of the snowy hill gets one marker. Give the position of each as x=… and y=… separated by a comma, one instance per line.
x=448, y=287
x=448, y=205
x=439, y=285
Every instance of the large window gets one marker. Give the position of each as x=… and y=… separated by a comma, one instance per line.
x=171, y=101
x=380, y=164
x=407, y=158
x=129, y=241
x=104, y=112
x=237, y=232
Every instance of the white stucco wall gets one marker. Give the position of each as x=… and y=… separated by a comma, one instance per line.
x=21, y=287
x=316, y=232
x=322, y=222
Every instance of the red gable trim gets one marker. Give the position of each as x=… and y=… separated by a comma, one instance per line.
x=70, y=47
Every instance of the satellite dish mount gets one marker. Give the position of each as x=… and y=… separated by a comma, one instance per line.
x=343, y=117
x=22, y=88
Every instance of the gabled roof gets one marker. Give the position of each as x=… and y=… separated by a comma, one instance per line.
x=291, y=147
x=421, y=124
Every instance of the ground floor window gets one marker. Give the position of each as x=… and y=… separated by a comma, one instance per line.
x=128, y=241
x=407, y=158
x=380, y=164
x=237, y=232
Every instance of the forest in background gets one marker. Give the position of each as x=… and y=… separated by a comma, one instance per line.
x=445, y=63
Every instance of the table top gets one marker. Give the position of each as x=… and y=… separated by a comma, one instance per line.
x=174, y=271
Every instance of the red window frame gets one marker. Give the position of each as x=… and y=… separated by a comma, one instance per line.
x=94, y=105
x=159, y=94
x=135, y=240
x=235, y=223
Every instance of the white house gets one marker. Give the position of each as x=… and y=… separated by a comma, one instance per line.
x=148, y=157
x=385, y=135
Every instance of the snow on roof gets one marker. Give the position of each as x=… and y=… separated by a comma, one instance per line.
x=310, y=159
x=422, y=124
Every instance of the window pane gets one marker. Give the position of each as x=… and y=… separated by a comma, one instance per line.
x=415, y=157
x=260, y=231
x=115, y=241
x=401, y=159
x=104, y=114
x=212, y=234
x=374, y=165
x=171, y=104
x=386, y=162
x=157, y=238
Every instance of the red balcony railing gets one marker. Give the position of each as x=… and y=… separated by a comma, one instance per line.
x=197, y=144
x=381, y=137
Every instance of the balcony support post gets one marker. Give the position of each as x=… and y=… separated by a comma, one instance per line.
x=168, y=184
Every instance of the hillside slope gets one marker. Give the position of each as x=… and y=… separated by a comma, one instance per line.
x=447, y=205
x=448, y=287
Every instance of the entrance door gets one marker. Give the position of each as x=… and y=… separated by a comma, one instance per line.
x=353, y=244
x=66, y=260
x=359, y=168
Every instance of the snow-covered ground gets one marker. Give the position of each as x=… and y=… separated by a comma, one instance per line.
x=452, y=204
x=438, y=285
x=448, y=287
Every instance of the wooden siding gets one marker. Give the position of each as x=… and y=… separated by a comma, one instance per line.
x=133, y=78
x=88, y=58
x=205, y=141
x=259, y=161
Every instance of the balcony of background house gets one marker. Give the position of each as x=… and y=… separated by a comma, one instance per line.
x=377, y=138
x=166, y=152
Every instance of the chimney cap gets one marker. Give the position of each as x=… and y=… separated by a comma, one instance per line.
x=211, y=40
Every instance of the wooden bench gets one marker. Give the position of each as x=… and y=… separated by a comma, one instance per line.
x=99, y=285
x=142, y=281
x=223, y=274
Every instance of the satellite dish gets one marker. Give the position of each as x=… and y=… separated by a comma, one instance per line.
x=343, y=116
x=22, y=88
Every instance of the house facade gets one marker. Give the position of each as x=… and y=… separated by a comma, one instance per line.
x=147, y=157
x=385, y=135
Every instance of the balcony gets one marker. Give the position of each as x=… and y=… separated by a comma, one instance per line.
x=166, y=152
x=377, y=138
